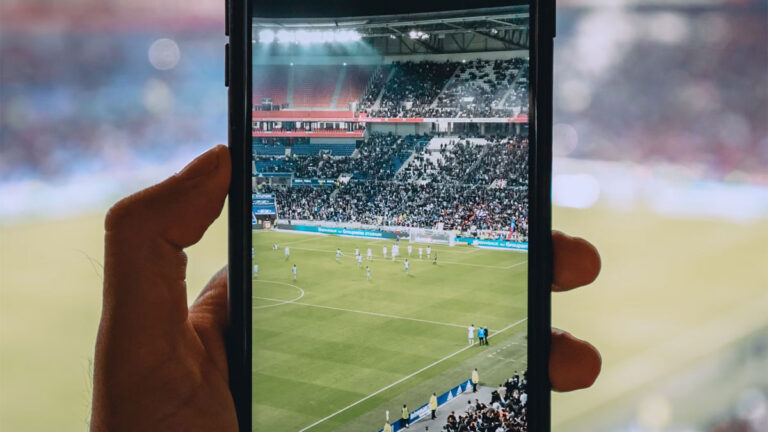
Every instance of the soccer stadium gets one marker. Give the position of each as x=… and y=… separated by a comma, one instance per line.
x=390, y=177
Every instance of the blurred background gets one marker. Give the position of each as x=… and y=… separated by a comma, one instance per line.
x=661, y=144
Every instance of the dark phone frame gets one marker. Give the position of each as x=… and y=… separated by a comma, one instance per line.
x=238, y=79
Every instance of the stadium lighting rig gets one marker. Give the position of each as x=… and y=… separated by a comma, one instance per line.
x=308, y=37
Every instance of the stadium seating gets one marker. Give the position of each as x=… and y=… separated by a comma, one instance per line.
x=313, y=86
x=270, y=82
x=354, y=83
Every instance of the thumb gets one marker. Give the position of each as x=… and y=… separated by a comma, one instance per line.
x=144, y=262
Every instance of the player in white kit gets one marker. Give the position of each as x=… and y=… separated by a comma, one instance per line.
x=421, y=252
x=294, y=272
x=384, y=251
x=338, y=254
x=367, y=273
x=406, y=266
x=287, y=252
x=255, y=270
x=410, y=249
x=471, y=334
x=370, y=254
x=359, y=260
x=429, y=251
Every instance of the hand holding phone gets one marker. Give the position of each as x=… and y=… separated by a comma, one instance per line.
x=153, y=373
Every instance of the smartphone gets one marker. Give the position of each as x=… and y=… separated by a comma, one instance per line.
x=390, y=238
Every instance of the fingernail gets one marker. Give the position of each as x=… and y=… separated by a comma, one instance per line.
x=203, y=165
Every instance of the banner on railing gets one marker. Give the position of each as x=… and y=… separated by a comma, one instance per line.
x=424, y=411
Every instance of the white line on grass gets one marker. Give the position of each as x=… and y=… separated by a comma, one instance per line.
x=516, y=264
x=383, y=389
x=281, y=302
x=364, y=312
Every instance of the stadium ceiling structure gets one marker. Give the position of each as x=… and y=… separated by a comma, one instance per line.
x=495, y=29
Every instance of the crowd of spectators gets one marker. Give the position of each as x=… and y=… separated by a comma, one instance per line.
x=479, y=88
x=506, y=411
x=471, y=186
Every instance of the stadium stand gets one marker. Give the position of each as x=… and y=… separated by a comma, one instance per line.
x=333, y=149
x=355, y=81
x=313, y=86
x=506, y=411
x=472, y=185
x=270, y=82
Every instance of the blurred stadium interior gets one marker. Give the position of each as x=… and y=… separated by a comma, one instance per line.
x=661, y=144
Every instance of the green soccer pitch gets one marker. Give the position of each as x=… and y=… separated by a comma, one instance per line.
x=334, y=351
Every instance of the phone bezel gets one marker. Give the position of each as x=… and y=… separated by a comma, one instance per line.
x=238, y=77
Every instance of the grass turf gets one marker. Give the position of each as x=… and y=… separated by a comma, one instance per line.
x=331, y=338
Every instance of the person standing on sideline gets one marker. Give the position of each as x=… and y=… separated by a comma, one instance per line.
x=433, y=405
x=367, y=273
x=387, y=427
x=294, y=272
x=405, y=418
x=486, y=333
x=475, y=380
x=481, y=335
x=471, y=334
x=287, y=253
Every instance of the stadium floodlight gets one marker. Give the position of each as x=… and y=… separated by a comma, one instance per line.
x=413, y=34
x=308, y=37
x=266, y=36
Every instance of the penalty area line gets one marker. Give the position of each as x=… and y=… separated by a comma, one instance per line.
x=383, y=389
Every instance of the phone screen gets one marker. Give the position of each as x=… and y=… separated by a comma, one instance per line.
x=390, y=221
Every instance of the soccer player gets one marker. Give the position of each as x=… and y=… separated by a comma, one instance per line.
x=394, y=252
x=487, y=333
x=384, y=251
x=429, y=251
x=421, y=252
x=274, y=246
x=471, y=334
x=367, y=273
x=255, y=270
x=410, y=249
x=251, y=253
x=338, y=254
x=287, y=253
x=357, y=251
x=294, y=272
x=434, y=262
x=370, y=254
x=359, y=260
x=406, y=266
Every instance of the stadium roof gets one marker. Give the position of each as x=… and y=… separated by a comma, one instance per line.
x=504, y=28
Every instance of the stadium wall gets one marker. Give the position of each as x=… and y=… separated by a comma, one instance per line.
x=423, y=411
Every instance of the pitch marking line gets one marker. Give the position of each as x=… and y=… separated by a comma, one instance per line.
x=383, y=389
x=362, y=312
x=280, y=302
x=516, y=264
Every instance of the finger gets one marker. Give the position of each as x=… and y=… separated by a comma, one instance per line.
x=576, y=262
x=573, y=363
x=144, y=265
x=209, y=318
